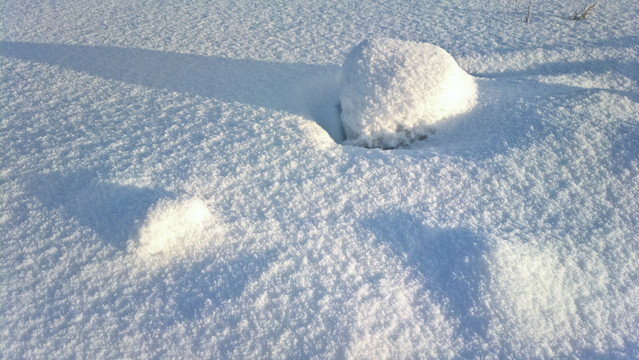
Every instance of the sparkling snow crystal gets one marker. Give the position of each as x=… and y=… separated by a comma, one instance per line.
x=393, y=91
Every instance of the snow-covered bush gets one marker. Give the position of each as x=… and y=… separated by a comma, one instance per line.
x=394, y=91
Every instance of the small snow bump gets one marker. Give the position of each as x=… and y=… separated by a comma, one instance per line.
x=177, y=227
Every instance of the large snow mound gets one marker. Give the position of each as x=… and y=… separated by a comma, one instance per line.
x=393, y=91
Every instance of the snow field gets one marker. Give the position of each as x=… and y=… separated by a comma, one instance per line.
x=211, y=139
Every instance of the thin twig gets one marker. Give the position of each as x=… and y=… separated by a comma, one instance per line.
x=528, y=14
x=585, y=12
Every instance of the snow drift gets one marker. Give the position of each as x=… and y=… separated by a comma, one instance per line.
x=393, y=91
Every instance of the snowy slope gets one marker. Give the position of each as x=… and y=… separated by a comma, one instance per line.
x=174, y=184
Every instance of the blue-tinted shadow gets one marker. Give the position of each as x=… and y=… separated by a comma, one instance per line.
x=449, y=261
x=291, y=87
x=114, y=212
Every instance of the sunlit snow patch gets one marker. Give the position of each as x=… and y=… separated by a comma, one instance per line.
x=393, y=91
x=176, y=228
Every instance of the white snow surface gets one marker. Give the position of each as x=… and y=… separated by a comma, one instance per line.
x=175, y=183
x=394, y=91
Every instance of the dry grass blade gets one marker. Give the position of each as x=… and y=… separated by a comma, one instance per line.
x=528, y=13
x=580, y=15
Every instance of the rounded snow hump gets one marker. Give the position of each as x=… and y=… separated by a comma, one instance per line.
x=394, y=91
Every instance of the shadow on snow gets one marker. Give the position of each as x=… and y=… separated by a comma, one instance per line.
x=451, y=262
x=114, y=212
x=300, y=89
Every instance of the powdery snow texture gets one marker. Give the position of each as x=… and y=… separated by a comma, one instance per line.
x=393, y=91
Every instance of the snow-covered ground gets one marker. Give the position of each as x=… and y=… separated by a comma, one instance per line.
x=175, y=183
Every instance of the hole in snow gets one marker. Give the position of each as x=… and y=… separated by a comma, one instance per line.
x=320, y=101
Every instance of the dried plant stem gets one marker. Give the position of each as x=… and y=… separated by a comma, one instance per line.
x=528, y=14
x=580, y=15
